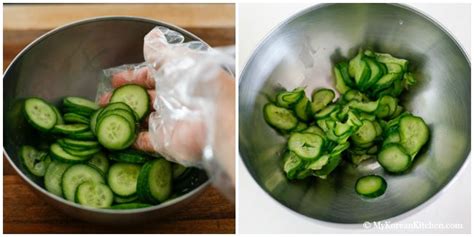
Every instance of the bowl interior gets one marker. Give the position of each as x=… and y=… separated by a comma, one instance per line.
x=302, y=52
x=69, y=62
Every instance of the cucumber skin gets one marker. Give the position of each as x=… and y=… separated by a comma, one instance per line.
x=86, y=135
x=129, y=156
x=143, y=191
x=133, y=205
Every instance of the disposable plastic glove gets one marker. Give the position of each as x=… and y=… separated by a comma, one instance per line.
x=193, y=95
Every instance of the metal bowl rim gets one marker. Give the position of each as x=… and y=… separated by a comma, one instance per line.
x=59, y=199
x=309, y=9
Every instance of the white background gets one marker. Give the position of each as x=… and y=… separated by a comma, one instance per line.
x=259, y=213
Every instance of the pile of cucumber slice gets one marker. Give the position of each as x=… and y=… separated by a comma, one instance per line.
x=90, y=161
x=365, y=122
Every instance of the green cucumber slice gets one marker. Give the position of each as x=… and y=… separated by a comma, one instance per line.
x=126, y=206
x=291, y=164
x=414, y=133
x=58, y=153
x=371, y=186
x=305, y=145
x=97, y=195
x=36, y=162
x=122, y=178
x=53, y=177
x=75, y=176
x=287, y=99
x=40, y=114
x=115, y=132
x=68, y=129
x=394, y=158
x=279, y=117
x=134, y=96
x=321, y=98
x=99, y=160
x=76, y=118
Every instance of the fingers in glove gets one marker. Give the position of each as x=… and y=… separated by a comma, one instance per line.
x=141, y=76
x=183, y=142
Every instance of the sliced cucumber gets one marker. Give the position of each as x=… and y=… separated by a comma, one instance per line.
x=279, y=117
x=93, y=120
x=82, y=153
x=394, y=158
x=367, y=107
x=80, y=143
x=58, y=153
x=75, y=176
x=386, y=81
x=305, y=145
x=343, y=80
x=36, y=162
x=122, y=106
x=160, y=180
x=365, y=134
x=120, y=200
x=328, y=110
x=59, y=117
x=376, y=71
x=300, y=127
x=134, y=96
x=130, y=156
x=99, y=160
x=86, y=135
x=333, y=162
x=388, y=106
x=303, y=109
x=126, y=206
x=321, y=98
x=40, y=114
x=80, y=104
x=121, y=112
x=355, y=95
x=123, y=177
x=288, y=99
x=76, y=118
x=314, y=130
x=359, y=70
x=68, y=129
x=92, y=194
x=319, y=163
x=115, y=132
x=414, y=133
x=389, y=59
x=179, y=171
x=53, y=177
x=371, y=186
x=154, y=181
x=291, y=164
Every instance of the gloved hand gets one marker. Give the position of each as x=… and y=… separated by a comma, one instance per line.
x=193, y=97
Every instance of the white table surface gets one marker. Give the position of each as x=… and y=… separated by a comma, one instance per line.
x=260, y=213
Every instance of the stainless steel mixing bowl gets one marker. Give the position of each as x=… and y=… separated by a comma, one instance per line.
x=68, y=61
x=302, y=51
